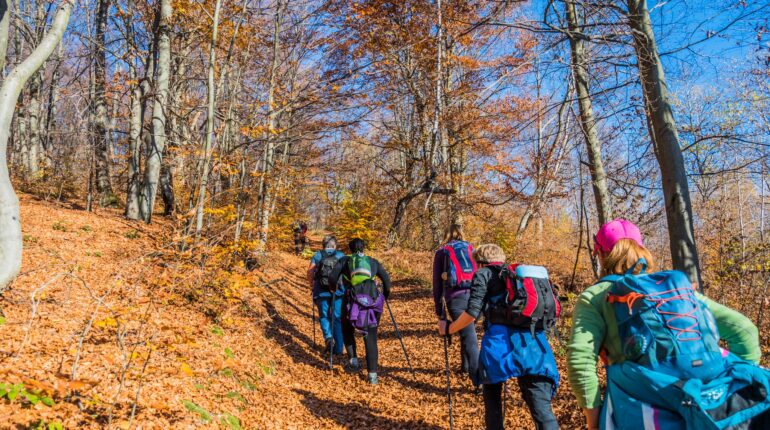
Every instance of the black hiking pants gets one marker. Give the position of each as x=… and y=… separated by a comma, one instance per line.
x=469, y=342
x=536, y=391
x=349, y=338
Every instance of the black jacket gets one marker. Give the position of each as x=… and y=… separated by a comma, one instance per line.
x=486, y=284
x=342, y=268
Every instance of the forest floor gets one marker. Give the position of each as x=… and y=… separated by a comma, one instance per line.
x=113, y=329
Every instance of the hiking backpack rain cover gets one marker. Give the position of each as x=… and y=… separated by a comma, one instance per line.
x=530, y=300
x=674, y=374
x=366, y=302
x=324, y=270
x=459, y=266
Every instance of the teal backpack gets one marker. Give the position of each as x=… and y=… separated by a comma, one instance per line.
x=674, y=375
x=663, y=325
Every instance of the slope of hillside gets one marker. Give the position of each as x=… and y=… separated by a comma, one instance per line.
x=115, y=330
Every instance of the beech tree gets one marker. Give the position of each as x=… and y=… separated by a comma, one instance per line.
x=663, y=131
x=10, y=222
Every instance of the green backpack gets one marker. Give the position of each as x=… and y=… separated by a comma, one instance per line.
x=360, y=269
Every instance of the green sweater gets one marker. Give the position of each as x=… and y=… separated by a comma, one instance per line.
x=594, y=328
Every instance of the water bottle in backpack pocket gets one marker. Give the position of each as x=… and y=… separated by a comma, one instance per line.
x=529, y=300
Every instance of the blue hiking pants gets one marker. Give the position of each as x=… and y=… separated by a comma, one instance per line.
x=323, y=303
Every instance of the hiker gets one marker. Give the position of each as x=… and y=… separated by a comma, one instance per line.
x=508, y=349
x=327, y=294
x=659, y=339
x=362, y=303
x=453, y=269
x=300, y=237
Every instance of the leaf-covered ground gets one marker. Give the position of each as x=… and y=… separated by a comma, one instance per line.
x=117, y=331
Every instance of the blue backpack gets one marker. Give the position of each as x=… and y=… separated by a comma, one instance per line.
x=663, y=325
x=459, y=266
x=674, y=375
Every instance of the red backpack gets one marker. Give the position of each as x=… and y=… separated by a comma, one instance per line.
x=530, y=299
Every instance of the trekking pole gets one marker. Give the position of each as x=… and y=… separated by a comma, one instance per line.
x=447, y=342
x=505, y=398
x=401, y=339
x=313, y=320
x=448, y=378
x=331, y=346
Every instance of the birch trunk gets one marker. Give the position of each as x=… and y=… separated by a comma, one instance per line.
x=10, y=224
x=159, y=114
x=211, y=99
x=579, y=62
x=663, y=132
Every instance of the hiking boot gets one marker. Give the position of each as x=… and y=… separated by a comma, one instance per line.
x=373, y=379
x=329, y=345
x=353, y=366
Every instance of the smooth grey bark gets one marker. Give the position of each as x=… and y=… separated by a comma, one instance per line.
x=10, y=224
x=135, y=122
x=208, y=141
x=663, y=131
x=33, y=140
x=159, y=114
x=53, y=102
x=265, y=188
x=100, y=120
x=5, y=25
x=579, y=63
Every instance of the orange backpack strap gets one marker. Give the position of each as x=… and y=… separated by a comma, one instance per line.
x=629, y=299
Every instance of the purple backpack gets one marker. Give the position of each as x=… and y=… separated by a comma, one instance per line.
x=364, y=311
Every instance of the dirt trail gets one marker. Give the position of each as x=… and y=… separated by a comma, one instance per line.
x=332, y=400
x=155, y=340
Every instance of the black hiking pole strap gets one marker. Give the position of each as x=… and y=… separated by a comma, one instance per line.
x=448, y=380
x=400, y=338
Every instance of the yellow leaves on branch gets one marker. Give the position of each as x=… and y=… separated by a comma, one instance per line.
x=357, y=219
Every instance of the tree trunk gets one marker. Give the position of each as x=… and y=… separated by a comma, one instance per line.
x=134, y=130
x=33, y=126
x=53, y=102
x=211, y=99
x=99, y=105
x=10, y=224
x=138, y=106
x=5, y=24
x=579, y=61
x=166, y=181
x=159, y=114
x=265, y=188
x=660, y=119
